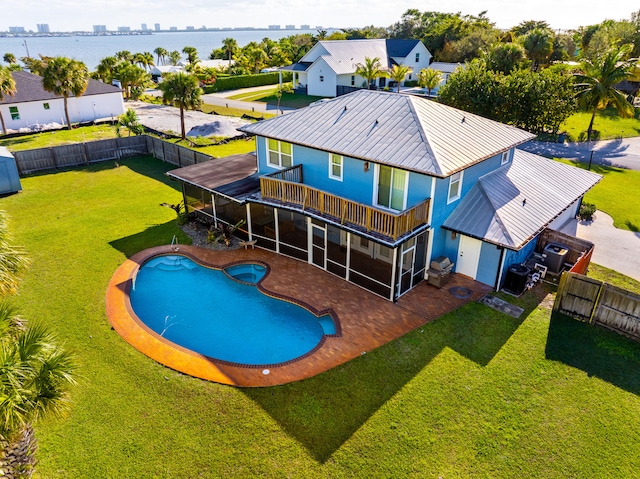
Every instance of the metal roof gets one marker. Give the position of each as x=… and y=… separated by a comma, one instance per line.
x=29, y=88
x=512, y=204
x=346, y=54
x=399, y=130
x=234, y=176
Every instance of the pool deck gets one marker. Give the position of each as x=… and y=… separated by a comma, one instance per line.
x=366, y=320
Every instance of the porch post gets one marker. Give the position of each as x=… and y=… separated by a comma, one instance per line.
x=348, y=255
x=249, y=222
x=215, y=213
x=393, y=273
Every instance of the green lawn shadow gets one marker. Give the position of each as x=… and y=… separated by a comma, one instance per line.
x=596, y=351
x=156, y=235
x=324, y=411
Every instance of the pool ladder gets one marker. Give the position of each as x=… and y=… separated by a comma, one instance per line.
x=174, y=243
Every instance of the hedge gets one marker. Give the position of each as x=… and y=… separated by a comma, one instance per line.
x=247, y=81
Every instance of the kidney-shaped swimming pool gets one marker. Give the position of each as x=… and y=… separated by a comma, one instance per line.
x=221, y=314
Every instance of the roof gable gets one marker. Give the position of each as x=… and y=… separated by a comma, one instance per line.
x=404, y=131
x=511, y=205
x=29, y=88
x=400, y=48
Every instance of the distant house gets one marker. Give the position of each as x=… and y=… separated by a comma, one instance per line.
x=329, y=68
x=157, y=71
x=34, y=108
x=372, y=186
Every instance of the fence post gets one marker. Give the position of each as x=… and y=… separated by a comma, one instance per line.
x=53, y=156
x=84, y=153
x=562, y=286
x=597, y=302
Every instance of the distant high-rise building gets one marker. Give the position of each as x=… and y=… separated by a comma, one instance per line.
x=99, y=28
x=124, y=29
x=143, y=27
x=289, y=27
x=190, y=27
x=173, y=29
x=305, y=27
x=16, y=30
x=157, y=27
x=43, y=28
x=274, y=27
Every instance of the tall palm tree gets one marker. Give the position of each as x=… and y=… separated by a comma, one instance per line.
x=131, y=77
x=429, y=79
x=9, y=58
x=539, y=44
x=230, y=46
x=370, y=70
x=124, y=55
x=398, y=74
x=192, y=54
x=35, y=378
x=182, y=90
x=596, y=85
x=13, y=260
x=104, y=70
x=65, y=77
x=174, y=57
x=161, y=55
x=7, y=87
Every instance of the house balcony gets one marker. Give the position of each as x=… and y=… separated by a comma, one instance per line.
x=286, y=187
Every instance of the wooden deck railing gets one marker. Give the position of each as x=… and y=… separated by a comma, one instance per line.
x=386, y=223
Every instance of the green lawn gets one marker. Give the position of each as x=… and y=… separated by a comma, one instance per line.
x=59, y=137
x=288, y=100
x=606, y=195
x=473, y=394
x=608, y=125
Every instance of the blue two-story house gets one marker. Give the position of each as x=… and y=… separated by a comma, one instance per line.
x=372, y=186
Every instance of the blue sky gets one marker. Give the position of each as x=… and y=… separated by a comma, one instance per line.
x=67, y=15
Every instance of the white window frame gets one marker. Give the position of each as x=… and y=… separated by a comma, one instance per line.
x=505, y=158
x=14, y=113
x=332, y=164
x=278, y=165
x=417, y=57
x=455, y=179
x=376, y=184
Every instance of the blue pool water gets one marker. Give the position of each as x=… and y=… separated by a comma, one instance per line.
x=207, y=312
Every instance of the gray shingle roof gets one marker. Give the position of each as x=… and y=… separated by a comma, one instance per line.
x=29, y=88
x=404, y=131
x=495, y=209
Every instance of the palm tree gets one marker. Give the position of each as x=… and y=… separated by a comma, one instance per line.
x=35, y=377
x=9, y=58
x=174, y=57
x=370, y=70
x=129, y=121
x=65, y=77
x=124, y=55
x=192, y=54
x=429, y=79
x=104, y=70
x=596, y=87
x=539, y=44
x=13, y=260
x=230, y=46
x=398, y=73
x=161, y=54
x=131, y=77
x=182, y=90
x=7, y=87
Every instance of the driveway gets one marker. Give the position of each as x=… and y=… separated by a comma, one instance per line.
x=614, y=248
x=624, y=152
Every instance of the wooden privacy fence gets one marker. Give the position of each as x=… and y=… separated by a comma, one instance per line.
x=67, y=156
x=599, y=303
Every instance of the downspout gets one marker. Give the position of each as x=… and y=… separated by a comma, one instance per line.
x=499, y=273
x=430, y=230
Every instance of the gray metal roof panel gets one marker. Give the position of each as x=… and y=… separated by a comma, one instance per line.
x=394, y=129
x=495, y=209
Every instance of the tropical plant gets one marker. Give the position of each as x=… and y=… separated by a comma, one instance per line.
x=161, y=55
x=370, y=70
x=9, y=58
x=144, y=60
x=35, y=377
x=230, y=46
x=13, y=260
x=223, y=233
x=504, y=57
x=129, y=121
x=181, y=89
x=105, y=69
x=174, y=57
x=124, y=55
x=35, y=65
x=181, y=211
x=192, y=54
x=7, y=87
x=538, y=44
x=398, y=74
x=429, y=79
x=65, y=77
x=132, y=78
x=596, y=84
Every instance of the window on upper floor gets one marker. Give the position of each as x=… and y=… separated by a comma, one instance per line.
x=417, y=57
x=455, y=187
x=280, y=154
x=505, y=158
x=391, y=187
x=335, y=166
x=321, y=77
x=46, y=106
x=353, y=80
x=15, y=114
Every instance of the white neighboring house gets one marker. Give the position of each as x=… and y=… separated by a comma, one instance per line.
x=33, y=108
x=156, y=71
x=446, y=69
x=328, y=69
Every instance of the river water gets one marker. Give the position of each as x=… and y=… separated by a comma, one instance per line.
x=92, y=49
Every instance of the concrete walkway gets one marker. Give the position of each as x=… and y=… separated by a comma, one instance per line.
x=614, y=248
x=623, y=152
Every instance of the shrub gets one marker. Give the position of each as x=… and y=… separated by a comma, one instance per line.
x=247, y=81
x=586, y=211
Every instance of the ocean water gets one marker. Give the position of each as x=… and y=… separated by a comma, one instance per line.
x=92, y=49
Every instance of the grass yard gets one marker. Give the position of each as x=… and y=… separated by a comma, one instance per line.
x=613, y=277
x=473, y=394
x=288, y=100
x=606, y=195
x=608, y=125
x=59, y=137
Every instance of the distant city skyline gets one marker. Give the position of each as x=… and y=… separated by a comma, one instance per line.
x=81, y=15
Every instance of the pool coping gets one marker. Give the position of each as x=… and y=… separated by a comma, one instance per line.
x=371, y=321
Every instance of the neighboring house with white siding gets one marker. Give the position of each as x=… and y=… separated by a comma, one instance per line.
x=329, y=68
x=33, y=107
